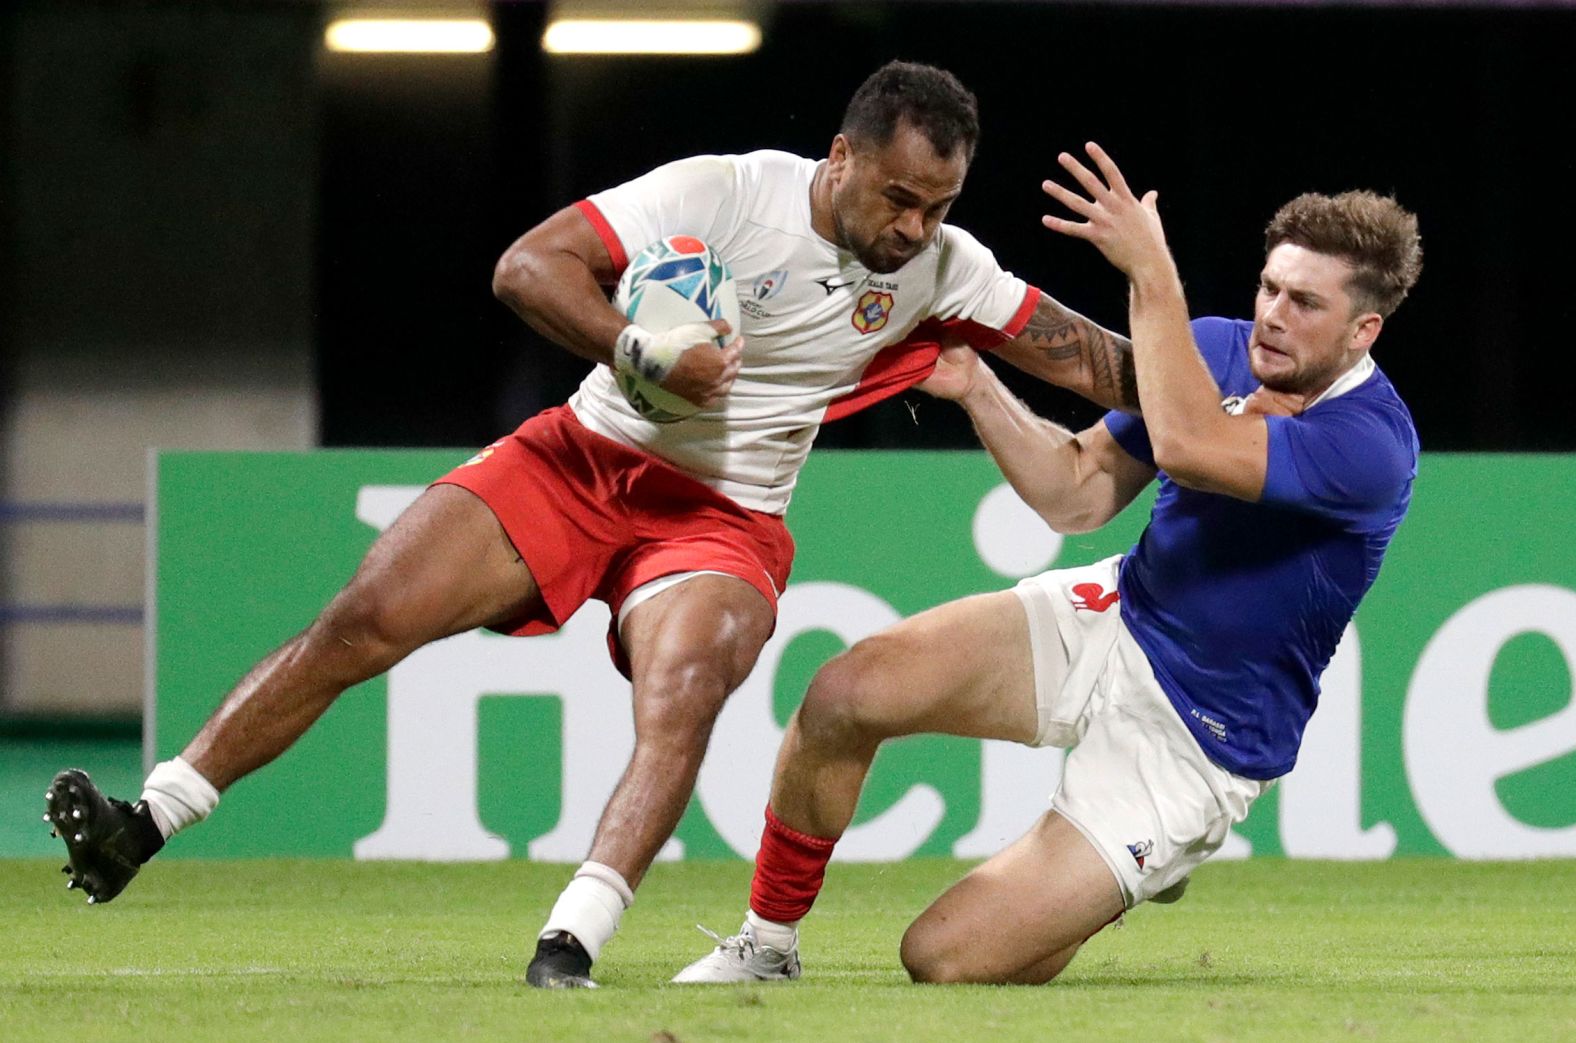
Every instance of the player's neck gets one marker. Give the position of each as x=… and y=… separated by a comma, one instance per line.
x=821, y=220
x=1343, y=381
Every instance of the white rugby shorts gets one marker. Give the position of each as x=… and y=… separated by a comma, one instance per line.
x=1135, y=783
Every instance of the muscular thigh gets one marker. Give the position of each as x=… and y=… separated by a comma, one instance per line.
x=445, y=566
x=963, y=668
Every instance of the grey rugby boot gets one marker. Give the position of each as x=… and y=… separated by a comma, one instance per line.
x=741, y=958
x=107, y=840
x=561, y=962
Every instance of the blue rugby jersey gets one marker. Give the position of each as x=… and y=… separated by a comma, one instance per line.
x=1239, y=606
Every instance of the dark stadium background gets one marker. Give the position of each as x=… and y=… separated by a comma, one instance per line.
x=424, y=169
x=1464, y=114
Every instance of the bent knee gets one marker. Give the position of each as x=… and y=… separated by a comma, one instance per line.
x=932, y=958
x=850, y=695
x=362, y=627
x=680, y=698
x=928, y=960
x=836, y=700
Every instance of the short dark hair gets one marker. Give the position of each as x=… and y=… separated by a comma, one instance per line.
x=931, y=99
x=1373, y=233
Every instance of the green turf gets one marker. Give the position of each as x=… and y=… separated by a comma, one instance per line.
x=1263, y=950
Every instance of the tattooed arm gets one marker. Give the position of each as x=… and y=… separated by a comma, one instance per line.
x=1063, y=348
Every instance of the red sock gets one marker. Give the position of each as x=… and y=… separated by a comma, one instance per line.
x=789, y=870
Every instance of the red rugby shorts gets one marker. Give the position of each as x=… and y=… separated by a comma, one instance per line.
x=596, y=519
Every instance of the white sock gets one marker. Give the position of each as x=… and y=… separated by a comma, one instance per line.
x=177, y=796
x=770, y=933
x=590, y=907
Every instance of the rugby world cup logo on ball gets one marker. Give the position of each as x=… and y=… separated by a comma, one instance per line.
x=672, y=282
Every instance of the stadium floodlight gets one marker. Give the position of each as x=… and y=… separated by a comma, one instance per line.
x=409, y=36
x=651, y=36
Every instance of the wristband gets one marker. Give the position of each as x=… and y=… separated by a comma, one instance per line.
x=637, y=351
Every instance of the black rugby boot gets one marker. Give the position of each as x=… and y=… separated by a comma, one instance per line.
x=107, y=840
x=561, y=962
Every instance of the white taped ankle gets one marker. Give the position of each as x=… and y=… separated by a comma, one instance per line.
x=177, y=796
x=591, y=906
x=770, y=933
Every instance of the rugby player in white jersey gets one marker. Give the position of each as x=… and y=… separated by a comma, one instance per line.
x=849, y=280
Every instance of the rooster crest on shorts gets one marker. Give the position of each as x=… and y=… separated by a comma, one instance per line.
x=1093, y=596
x=1141, y=850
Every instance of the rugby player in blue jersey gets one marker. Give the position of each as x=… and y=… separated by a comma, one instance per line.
x=1181, y=674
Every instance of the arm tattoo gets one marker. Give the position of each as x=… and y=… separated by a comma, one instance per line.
x=1105, y=359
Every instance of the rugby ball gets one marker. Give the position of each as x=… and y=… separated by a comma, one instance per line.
x=673, y=281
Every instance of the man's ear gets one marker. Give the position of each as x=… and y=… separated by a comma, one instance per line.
x=1366, y=331
x=838, y=156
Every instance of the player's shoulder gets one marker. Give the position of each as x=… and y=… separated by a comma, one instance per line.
x=1377, y=404
x=959, y=255
x=686, y=173
x=1365, y=432
x=774, y=159
x=1219, y=331
x=742, y=177
x=1224, y=344
x=770, y=167
x=957, y=241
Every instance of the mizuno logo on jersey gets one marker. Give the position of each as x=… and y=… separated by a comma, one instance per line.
x=834, y=284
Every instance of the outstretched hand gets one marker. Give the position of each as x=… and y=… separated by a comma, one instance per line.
x=1125, y=228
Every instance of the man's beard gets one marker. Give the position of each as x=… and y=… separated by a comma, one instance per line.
x=1299, y=382
x=864, y=253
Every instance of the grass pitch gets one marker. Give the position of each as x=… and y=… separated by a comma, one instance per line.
x=1261, y=950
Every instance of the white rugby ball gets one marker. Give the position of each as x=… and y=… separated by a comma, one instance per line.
x=673, y=281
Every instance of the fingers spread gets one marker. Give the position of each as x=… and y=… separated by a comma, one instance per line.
x=1068, y=198
x=1077, y=229
x=1113, y=176
x=1093, y=185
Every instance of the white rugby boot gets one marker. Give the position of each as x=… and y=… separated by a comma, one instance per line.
x=741, y=958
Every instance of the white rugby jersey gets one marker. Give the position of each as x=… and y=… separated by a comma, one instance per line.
x=823, y=335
